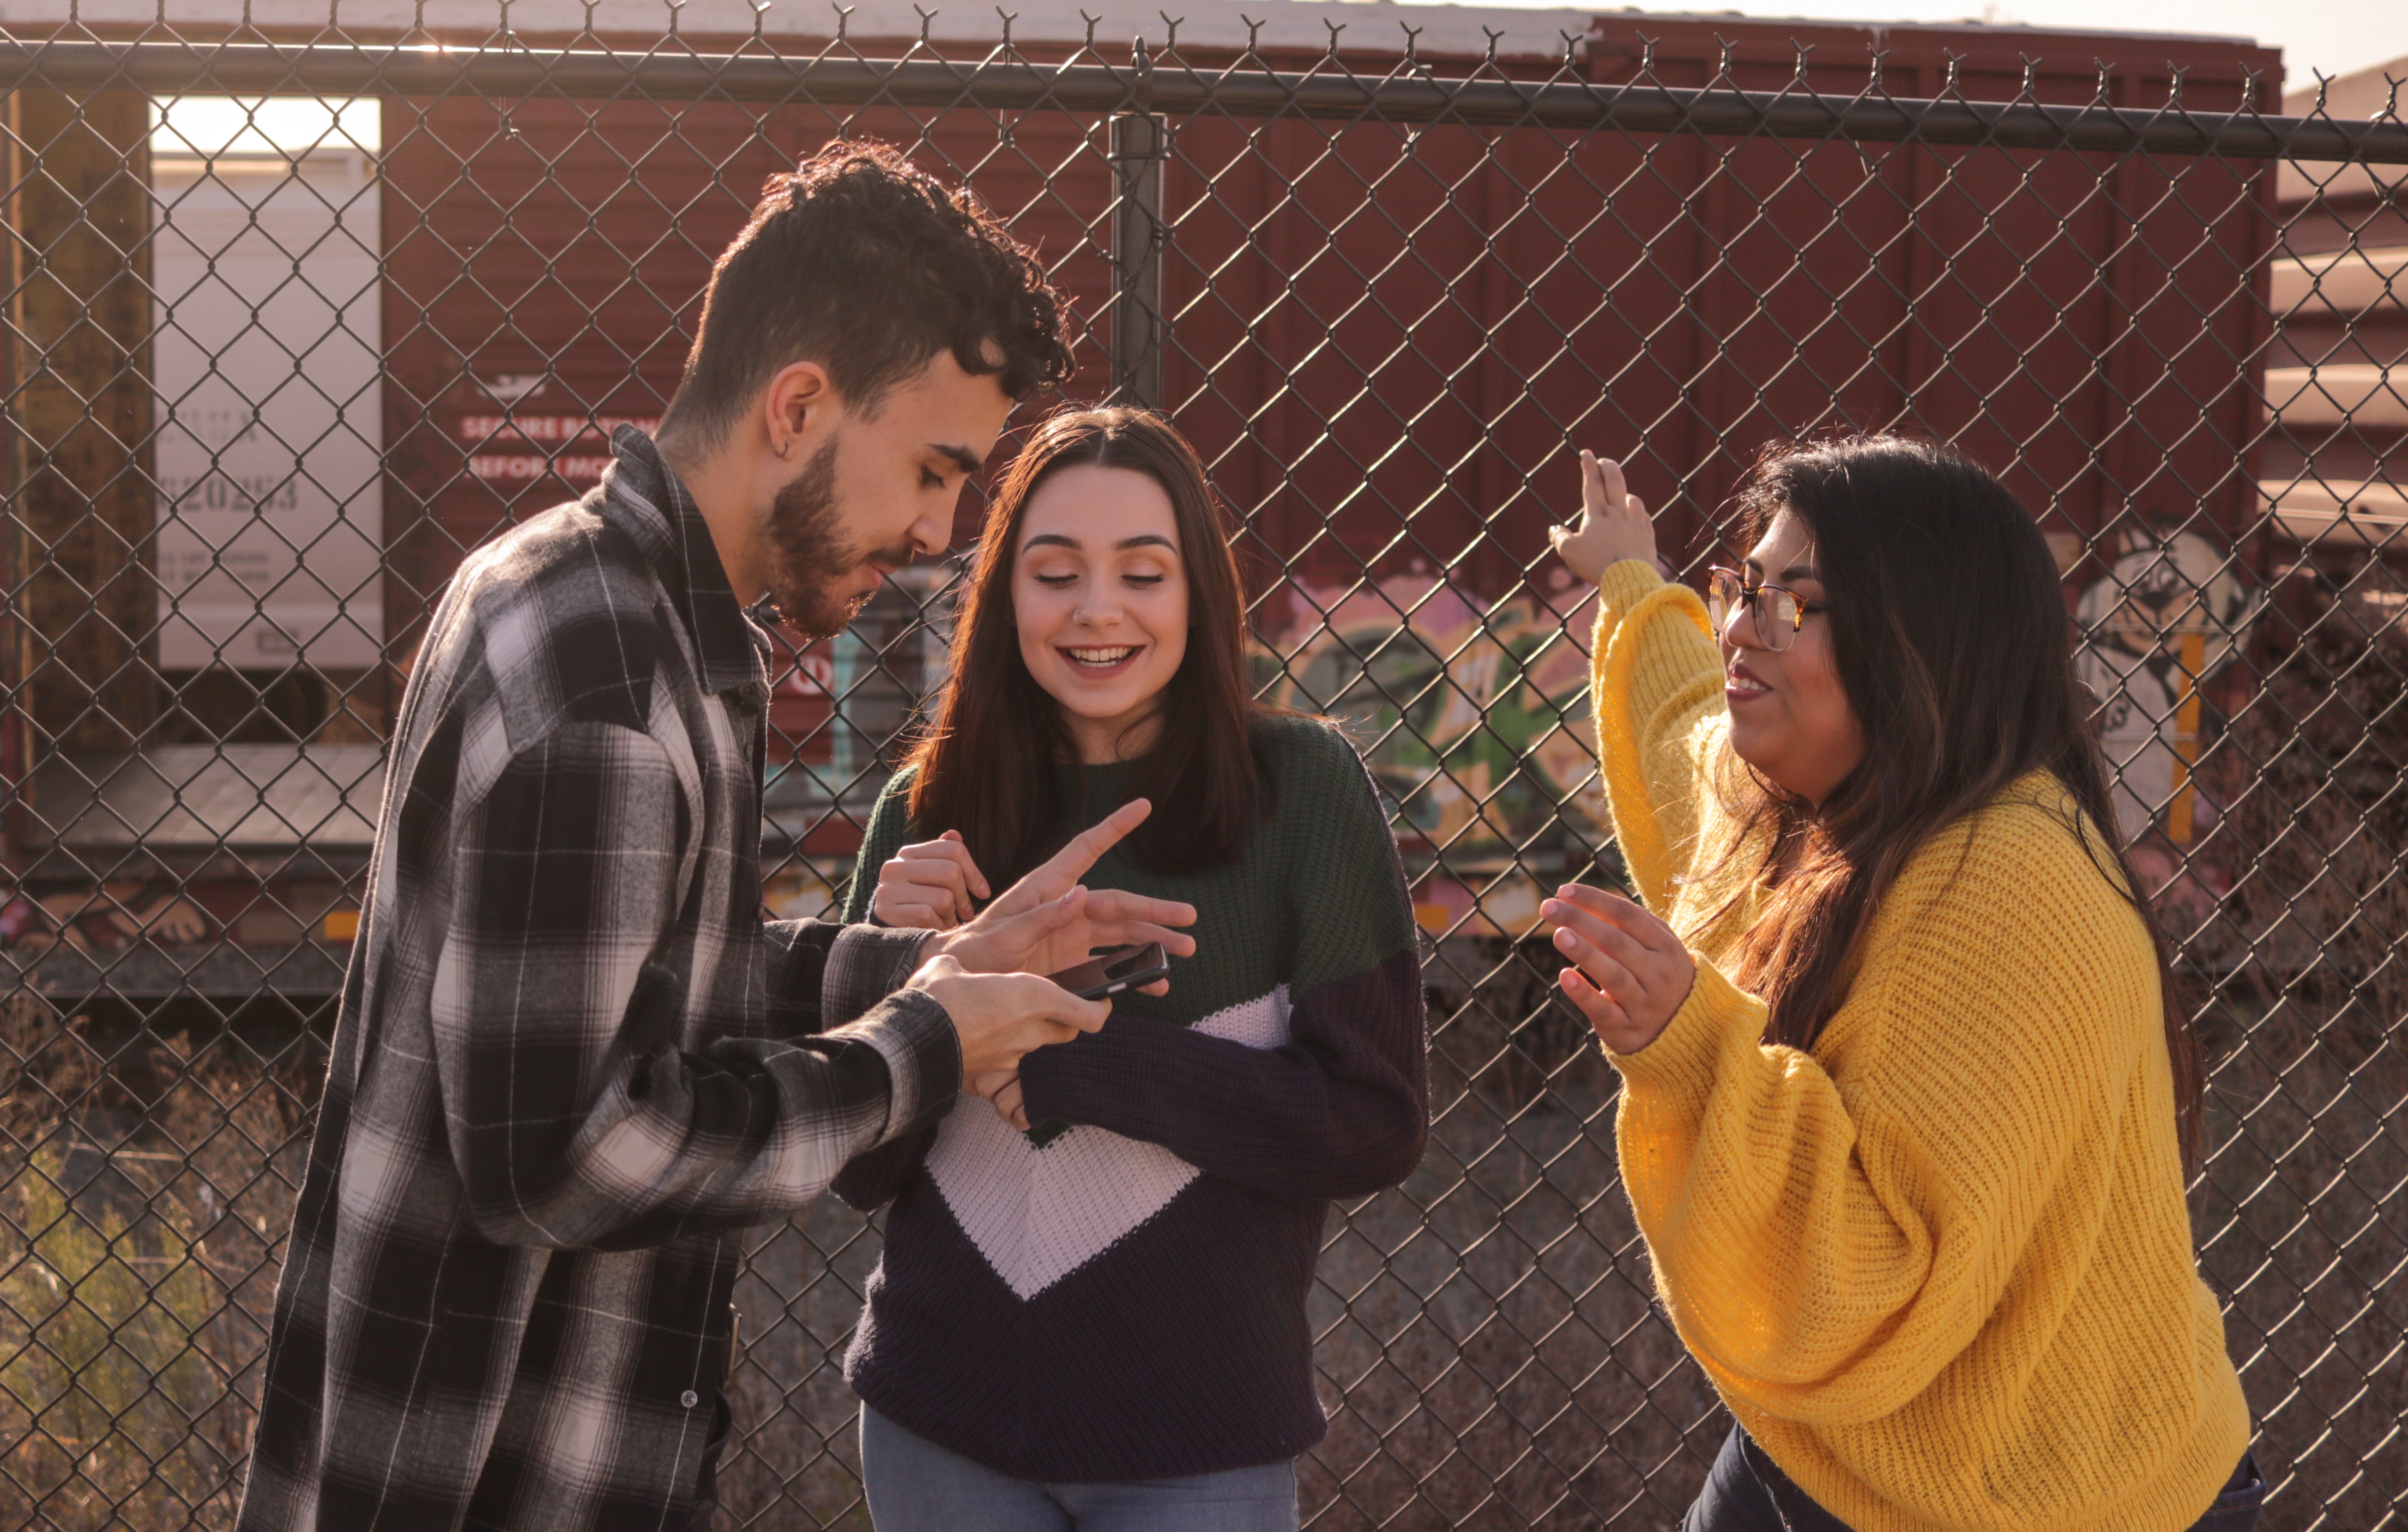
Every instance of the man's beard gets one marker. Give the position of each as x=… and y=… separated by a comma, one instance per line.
x=810, y=559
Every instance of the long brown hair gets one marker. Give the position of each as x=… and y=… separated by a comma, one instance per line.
x=987, y=764
x=1955, y=649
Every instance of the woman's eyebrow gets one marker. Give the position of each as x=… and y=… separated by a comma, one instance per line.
x=1051, y=539
x=1146, y=540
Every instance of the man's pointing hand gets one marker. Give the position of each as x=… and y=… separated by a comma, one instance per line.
x=1046, y=922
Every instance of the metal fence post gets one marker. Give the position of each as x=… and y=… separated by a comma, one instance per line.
x=1140, y=143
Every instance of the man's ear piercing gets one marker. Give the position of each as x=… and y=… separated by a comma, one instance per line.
x=783, y=445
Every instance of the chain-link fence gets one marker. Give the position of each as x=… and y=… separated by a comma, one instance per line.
x=294, y=320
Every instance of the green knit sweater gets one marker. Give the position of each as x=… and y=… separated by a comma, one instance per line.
x=1127, y=1300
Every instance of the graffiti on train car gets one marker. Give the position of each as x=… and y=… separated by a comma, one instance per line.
x=1475, y=718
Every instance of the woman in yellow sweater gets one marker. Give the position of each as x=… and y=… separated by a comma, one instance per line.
x=1905, y=1104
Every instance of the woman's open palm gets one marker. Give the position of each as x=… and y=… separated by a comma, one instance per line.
x=1631, y=972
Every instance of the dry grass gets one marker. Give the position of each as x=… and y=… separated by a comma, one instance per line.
x=2303, y=1214
x=144, y=1189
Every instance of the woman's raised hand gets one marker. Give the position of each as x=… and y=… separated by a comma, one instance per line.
x=1630, y=971
x=930, y=886
x=1612, y=527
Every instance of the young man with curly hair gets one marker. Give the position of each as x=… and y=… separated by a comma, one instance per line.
x=572, y=1063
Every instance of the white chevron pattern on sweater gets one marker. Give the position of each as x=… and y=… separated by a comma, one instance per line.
x=1037, y=1215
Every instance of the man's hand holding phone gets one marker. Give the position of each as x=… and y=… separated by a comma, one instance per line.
x=1000, y=1016
x=1047, y=921
x=1131, y=968
x=986, y=971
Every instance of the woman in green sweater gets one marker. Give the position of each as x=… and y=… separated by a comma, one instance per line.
x=1090, y=1309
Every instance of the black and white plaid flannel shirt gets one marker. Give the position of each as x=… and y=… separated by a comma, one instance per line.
x=572, y=1063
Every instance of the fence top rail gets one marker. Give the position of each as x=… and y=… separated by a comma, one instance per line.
x=1160, y=83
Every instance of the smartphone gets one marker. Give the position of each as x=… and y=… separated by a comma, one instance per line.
x=1127, y=968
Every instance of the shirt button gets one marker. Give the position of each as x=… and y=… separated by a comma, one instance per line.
x=689, y=1398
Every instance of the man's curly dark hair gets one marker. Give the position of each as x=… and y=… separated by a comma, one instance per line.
x=867, y=265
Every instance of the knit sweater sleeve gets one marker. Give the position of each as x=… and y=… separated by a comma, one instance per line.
x=1657, y=681
x=890, y=827
x=1340, y=1109
x=1826, y=1249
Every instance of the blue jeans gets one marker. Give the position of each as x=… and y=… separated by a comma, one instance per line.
x=917, y=1486
x=1746, y=1491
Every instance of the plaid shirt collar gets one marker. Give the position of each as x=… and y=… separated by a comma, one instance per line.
x=641, y=493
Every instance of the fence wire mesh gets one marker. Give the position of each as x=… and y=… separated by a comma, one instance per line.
x=292, y=325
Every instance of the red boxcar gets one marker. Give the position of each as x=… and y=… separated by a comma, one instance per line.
x=1383, y=336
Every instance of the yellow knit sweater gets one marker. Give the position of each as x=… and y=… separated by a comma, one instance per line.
x=1940, y=1267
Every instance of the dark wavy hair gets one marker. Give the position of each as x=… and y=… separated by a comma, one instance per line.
x=987, y=762
x=1955, y=649
x=861, y=261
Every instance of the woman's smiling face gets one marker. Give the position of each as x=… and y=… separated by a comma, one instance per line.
x=1789, y=715
x=1100, y=597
